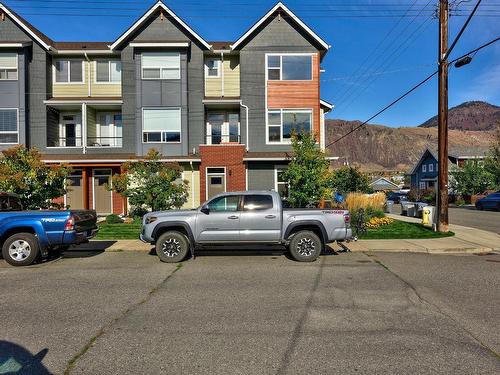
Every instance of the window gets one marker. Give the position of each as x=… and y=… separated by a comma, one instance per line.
x=281, y=123
x=161, y=125
x=8, y=66
x=212, y=69
x=424, y=168
x=9, y=132
x=228, y=203
x=108, y=71
x=161, y=65
x=289, y=67
x=68, y=71
x=423, y=185
x=281, y=185
x=431, y=167
x=257, y=202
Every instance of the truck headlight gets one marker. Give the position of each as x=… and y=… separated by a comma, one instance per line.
x=151, y=219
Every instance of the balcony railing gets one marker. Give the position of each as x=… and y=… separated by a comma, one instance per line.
x=221, y=139
x=104, y=141
x=66, y=142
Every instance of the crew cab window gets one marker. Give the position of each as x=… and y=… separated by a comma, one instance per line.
x=257, y=202
x=228, y=203
x=10, y=204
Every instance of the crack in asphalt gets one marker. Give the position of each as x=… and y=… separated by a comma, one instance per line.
x=434, y=307
x=301, y=322
x=72, y=362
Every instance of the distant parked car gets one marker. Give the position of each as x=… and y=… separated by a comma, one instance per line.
x=490, y=202
x=397, y=197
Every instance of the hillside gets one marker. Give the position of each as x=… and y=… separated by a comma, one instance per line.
x=379, y=148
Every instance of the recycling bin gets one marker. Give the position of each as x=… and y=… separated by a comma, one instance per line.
x=388, y=207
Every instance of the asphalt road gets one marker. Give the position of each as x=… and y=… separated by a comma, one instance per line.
x=127, y=313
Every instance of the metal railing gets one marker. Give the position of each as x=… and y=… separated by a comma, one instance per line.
x=66, y=142
x=222, y=138
x=104, y=141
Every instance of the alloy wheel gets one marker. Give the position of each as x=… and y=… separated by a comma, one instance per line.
x=306, y=247
x=171, y=247
x=19, y=250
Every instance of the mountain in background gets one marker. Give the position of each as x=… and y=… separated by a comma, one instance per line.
x=381, y=148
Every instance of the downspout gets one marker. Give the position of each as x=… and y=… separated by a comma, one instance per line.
x=84, y=128
x=222, y=72
x=192, y=184
x=88, y=75
x=246, y=126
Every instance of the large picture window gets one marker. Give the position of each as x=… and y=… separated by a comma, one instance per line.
x=8, y=66
x=281, y=123
x=9, y=126
x=161, y=125
x=108, y=71
x=289, y=67
x=161, y=65
x=68, y=71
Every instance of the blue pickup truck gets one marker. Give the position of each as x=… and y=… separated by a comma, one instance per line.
x=27, y=235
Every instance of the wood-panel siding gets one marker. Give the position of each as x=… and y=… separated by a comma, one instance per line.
x=82, y=90
x=231, y=71
x=297, y=94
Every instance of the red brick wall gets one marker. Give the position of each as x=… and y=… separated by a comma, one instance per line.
x=230, y=157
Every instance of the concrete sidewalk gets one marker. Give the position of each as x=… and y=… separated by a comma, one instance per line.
x=466, y=240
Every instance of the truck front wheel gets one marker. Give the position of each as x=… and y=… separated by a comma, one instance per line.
x=305, y=246
x=172, y=247
x=20, y=249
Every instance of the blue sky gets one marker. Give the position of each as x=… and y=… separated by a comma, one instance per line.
x=372, y=61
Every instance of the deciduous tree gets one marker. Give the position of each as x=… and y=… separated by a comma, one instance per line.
x=350, y=179
x=472, y=178
x=152, y=183
x=492, y=161
x=23, y=172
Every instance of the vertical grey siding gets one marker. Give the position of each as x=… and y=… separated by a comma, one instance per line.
x=274, y=36
x=186, y=93
x=261, y=175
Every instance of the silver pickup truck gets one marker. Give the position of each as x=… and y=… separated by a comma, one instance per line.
x=244, y=218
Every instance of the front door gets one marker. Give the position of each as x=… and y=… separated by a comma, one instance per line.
x=260, y=219
x=74, y=195
x=70, y=131
x=222, y=221
x=216, y=181
x=102, y=196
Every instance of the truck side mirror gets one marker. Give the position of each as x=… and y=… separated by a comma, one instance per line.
x=205, y=210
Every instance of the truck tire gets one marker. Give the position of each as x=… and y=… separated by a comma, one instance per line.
x=172, y=247
x=21, y=249
x=305, y=246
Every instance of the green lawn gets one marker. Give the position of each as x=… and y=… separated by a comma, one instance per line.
x=118, y=231
x=402, y=230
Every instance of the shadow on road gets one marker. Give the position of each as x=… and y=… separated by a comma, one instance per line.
x=15, y=359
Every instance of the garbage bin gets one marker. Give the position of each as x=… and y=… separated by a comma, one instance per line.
x=428, y=218
x=410, y=209
x=388, y=207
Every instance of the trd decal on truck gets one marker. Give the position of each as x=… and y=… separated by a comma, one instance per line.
x=333, y=212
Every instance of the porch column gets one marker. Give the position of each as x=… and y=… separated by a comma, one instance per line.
x=84, y=127
x=85, y=181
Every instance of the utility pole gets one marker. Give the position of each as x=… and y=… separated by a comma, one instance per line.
x=442, y=196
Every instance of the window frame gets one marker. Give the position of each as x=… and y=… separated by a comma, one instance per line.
x=160, y=68
x=9, y=132
x=285, y=141
x=162, y=131
x=424, y=168
x=54, y=77
x=277, y=170
x=280, y=55
x=109, y=61
x=219, y=68
x=11, y=68
x=431, y=167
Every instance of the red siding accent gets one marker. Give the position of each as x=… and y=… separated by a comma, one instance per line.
x=230, y=157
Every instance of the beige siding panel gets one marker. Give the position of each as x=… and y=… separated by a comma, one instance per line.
x=231, y=68
x=91, y=124
x=192, y=177
x=103, y=89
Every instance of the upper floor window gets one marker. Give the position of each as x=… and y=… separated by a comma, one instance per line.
x=9, y=126
x=161, y=125
x=289, y=67
x=108, y=71
x=424, y=168
x=161, y=65
x=68, y=71
x=8, y=66
x=281, y=123
x=431, y=167
x=212, y=68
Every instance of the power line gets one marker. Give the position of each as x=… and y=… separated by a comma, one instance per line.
x=410, y=91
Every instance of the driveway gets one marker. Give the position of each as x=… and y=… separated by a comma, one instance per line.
x=254, y=313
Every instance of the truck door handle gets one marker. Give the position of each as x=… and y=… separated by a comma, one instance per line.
x=233, y=217
x=270, y=216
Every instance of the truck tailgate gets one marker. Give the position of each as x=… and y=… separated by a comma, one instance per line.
x=85, y=220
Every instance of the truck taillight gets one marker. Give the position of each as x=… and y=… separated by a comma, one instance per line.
x=70, y=223
x=347, y=218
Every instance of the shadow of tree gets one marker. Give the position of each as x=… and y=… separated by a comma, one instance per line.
x=15, y=359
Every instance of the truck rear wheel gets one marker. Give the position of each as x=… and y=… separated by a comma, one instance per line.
x=20, y=249
x=305, y=246
x=172, y=247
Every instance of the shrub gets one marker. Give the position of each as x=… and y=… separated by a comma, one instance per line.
x=460, y=202
x=137, y=212
x=355, y=201
x=113, y=219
